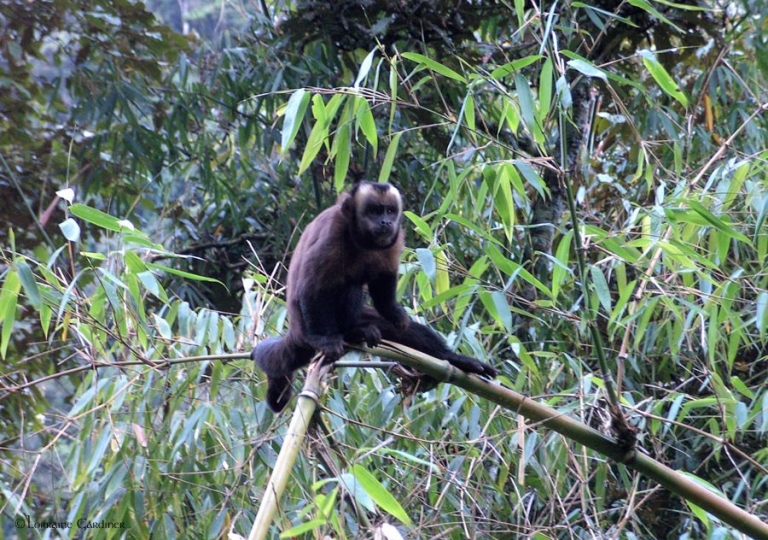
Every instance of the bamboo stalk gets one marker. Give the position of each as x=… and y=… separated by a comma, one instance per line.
x=669, y=478
x=550, y=418
x=294, y=438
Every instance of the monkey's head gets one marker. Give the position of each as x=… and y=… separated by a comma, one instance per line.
x=374, y=211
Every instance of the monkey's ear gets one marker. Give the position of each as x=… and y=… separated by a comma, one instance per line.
x=347, y=202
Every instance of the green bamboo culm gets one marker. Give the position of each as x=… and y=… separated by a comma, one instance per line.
x=547, y=416
x=306, y=406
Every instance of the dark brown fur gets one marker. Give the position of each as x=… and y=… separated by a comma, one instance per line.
x=355, y=243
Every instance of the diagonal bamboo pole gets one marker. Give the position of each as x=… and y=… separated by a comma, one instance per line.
x=671, y=479
x=441, y=370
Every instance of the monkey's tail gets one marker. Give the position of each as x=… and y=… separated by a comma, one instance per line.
x=276, y=360
x=279, y=392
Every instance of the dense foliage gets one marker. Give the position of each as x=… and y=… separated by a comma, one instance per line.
x=159, y=181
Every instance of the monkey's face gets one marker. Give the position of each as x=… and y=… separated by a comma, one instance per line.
x=377, y=215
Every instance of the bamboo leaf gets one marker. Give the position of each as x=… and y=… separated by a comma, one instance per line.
x=642, y=4
x=422, y=227
x=562, y=258
x=380, y=494
x=587, y=68
x=70, y=229
x=181, y=273
x=389, y=158
x=434, y=66
x=516, y=65
x=294, y=114
x=442, y=278
x=662, y=78
x=342, y=142
x=315, y=141
x=9, y=295
x=427, y=261
x=99, y=218
x=545, y=89
x=601, y=288
x=366, y=123
x=365, y=67
x=717, y=222
x=27, y=279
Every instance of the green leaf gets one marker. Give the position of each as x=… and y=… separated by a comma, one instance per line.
x=717, y=222
x=502, y=308
x=468, y=108
x=181, y=273
x=761, y=313
x=601, y=288
x=302, y=528
x=294, y=114
x=70, y=229
x=642, y=4
x=531, y=176
x=99, y=218
x=30, y=285
x=545, y=89
x=93, y=255
x=517, y=65
x=662, y=78
x=97, y=453
x=422, y=226
x=425, y=464
x=467, y=113
x=562, y=258
x=527, y=108
x=427, y=261
x=434, y=66
x=150, y=283
x=314, y=143
x=355, y=488
x=389, y=158
x=588, y=69
x=520, y=11
x=760, y=219
x=607, y=14
x=8, y=300
x=513, y=269
x=742, y=388
x=366, y=123
x=365, y=67
x=442, y=278
x=343, y=138
x=379, y=494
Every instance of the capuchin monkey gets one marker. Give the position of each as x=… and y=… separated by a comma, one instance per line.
x=351, y=245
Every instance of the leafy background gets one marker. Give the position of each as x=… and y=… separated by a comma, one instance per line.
x=124, y=395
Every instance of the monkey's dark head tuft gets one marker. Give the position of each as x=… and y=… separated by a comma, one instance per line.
x=375, y=211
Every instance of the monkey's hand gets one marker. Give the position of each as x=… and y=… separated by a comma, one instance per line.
x=365, y=333
x=472, y=365
x=332, y=347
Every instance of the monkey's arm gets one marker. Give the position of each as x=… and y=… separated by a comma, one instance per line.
x=422, y=338
x=321, y=324
x=383, y=291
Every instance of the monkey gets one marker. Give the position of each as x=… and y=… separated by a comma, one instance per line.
x=352, y=245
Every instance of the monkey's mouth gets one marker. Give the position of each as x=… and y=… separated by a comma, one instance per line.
x=383, y=236
x=383, y=232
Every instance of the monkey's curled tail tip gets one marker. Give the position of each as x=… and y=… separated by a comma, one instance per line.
x=279, y=392
x=268, y=357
